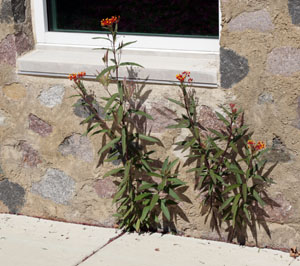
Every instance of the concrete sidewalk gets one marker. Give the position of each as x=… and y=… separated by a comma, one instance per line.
x=26, y=241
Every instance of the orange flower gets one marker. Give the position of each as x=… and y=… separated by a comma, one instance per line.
x=255, y=147
x=109, y=21
x=181, y=77
x=77, y=76
x=233, y=110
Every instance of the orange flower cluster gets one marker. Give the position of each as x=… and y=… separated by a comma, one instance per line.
x=110, y=21
x=77, y=76
x=181, y=77
x=233, y=110
x=255, y=146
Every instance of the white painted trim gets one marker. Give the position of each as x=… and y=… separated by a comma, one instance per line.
x=43, y=36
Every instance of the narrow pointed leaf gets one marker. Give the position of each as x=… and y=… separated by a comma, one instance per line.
x=113, y=172
x=165, y=210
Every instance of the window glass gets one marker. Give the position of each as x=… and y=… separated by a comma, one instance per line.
x=190, y=18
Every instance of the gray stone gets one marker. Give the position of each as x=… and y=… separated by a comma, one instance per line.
x=52, y=96
x=283, y=61
x=18, y=10
x=105, y=188
x=82, y=111
x=233, y=68
x=39, y=126
x=278, y=152
x=55, y=185
x=265, y=97
x=294, y=10
x=6, y=12
x=31, y=157
x=12, y=195
x=78, y=146
x=258, y=20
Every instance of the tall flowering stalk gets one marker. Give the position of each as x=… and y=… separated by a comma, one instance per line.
x=229, y=166
x=140, y=199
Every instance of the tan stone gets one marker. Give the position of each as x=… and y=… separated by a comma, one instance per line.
x=15, y=91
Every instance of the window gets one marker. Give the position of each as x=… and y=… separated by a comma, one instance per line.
x=64, y=40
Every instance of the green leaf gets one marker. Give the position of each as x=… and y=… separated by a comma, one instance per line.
x=142, y=196
x=245, y=210
x=110, y=101
x=109, y=145
x=153, y=174
x=100, y=131
x=213, y=176
x=176, y=181
x=113, y=172
x=165, y=164
x=120, y=114
x=173, y=194
x=222, y=118
x=138, y=112
x=153, y=201
x=238, y=179
x=258, y=198
x=104, y=38
x=233, y=146
x=104, y=71
x=232, y=187
x=177, y=102
x=165, y=210
x=219, y=134
x=137, y=225
x=122, y=45
x=148, y=138
x=146, y=185
x=182, y=124
x=226, y=203
x=172, y=164
x=130, y=64
x=127, y=169
x=245, y=192
x=145, y=212
x=119, y=193
x=144, y=162
x=87, y=119
x=120, y=90
x=235, y=202
x=91, y=128
x=124, y=145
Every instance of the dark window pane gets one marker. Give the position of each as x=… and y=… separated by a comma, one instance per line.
x=172, y=17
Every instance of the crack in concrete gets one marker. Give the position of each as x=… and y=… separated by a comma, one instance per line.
x=98, y=249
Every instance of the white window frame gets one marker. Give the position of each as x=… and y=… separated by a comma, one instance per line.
x=151, y=43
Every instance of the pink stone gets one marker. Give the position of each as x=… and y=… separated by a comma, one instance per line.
x=23, y=43
x=8, y=50
x=31, y=157
x=39, y=126
x=105, y=188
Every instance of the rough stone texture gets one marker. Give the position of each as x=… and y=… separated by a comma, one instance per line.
x=208, y=119
x=265, y=97
x=23, y=43
x=18, y=10
x=8, y=51
x=31, y=157
x=12, y=195
x=278, y=152
x=259, y=20
x=280, y=211
x=161, y=114
x=294, y=10
x=105, y=188
x=78, y=146
x=3, y=117
x=52, y=96
x=233, y=68
x=83, y=112
x=14, y=91
x=296, y=122
x=284, y=61
x=55, y=185
x=6, y=12
x=39, y=126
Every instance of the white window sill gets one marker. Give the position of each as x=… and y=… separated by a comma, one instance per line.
x=159, y=67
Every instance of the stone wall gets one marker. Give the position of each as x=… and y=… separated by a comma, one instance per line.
x=48, y=169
